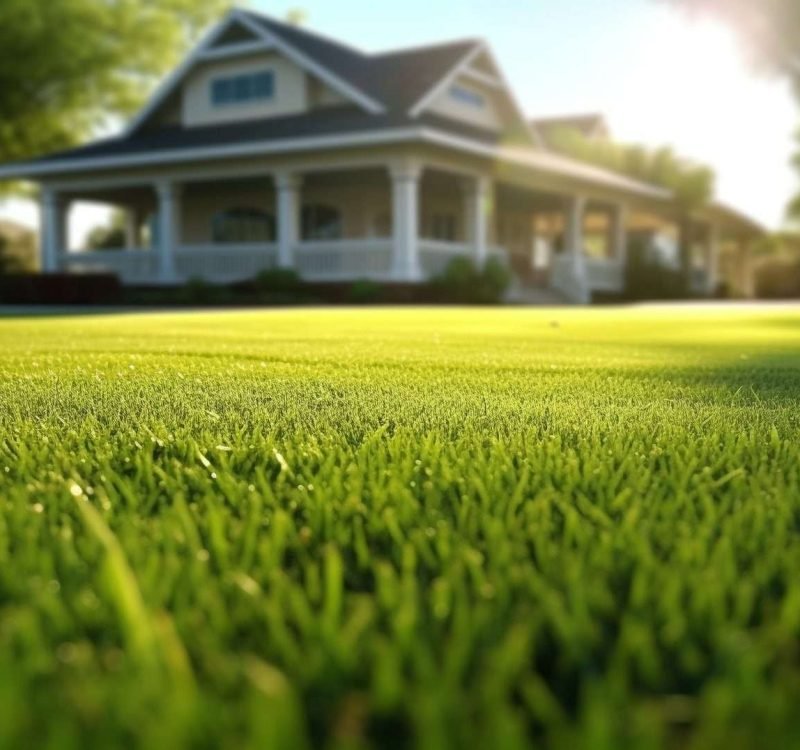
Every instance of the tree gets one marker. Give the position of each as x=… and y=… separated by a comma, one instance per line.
x=296, y=16
x=69, y=68
x=109, y=237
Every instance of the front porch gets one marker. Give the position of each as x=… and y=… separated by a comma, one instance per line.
x=400, y=221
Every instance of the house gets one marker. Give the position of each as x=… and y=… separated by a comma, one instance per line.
x=271, y=146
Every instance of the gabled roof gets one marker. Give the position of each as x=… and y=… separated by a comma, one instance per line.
x=274, y=36
x=589, y=125
x=395, y=79
x=376, y=83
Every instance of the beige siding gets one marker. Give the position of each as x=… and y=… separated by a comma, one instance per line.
x=365, y=209
x=319, y=95
x=201, y=203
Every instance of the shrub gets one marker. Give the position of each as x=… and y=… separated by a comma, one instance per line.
x=60, y=289
x=463, y=282
x=278, y=281
x=364, y=292
x=778, y=278
x=648, y=280
x=494, y=280
x=198, y=291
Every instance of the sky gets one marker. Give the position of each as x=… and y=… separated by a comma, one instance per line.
x=659, y=77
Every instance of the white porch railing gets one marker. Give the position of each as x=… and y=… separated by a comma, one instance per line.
x=224, y=263
x=131, y=266
x=435, y=255
x=699, y=281
x=566, y=277
x=605, y=275
x=335, y=260
x=344, y=260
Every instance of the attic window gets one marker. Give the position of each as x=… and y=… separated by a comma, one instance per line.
x=243, y=88
x=467, y=96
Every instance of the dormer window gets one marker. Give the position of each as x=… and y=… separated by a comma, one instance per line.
x=243, y=88
x=471, y=98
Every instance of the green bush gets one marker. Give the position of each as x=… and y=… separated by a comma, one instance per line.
x=645, y=280
x=778, y=278
x=198, y=291
x=364, y=292
x=463, y=282
x=494, y=280
x=278, y=281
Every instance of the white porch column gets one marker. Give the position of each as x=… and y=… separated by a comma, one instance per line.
x=405, y=221
x=478, y=212
x=748, y=280
x=287, y=188
x=573, y=239
x=169, y=228
x=619, y=233
x=131, y=228
x=53, y=241
x=712, y=259
x=573, y=228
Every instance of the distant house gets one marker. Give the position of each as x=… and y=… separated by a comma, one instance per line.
x=592, y=127
x=272, y=146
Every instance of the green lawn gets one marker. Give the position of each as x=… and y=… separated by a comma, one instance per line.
x=487, y=528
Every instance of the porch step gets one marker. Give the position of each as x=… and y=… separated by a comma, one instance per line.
x=520, y=294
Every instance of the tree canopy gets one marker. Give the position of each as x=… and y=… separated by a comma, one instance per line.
x=692, y=184
x=68, y=68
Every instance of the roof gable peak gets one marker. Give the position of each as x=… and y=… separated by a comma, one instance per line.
x=274, y=38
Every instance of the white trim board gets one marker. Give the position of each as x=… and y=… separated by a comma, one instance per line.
x=184, y=155
x=239, y=49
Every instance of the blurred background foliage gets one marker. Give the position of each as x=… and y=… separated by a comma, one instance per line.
x=86, y=64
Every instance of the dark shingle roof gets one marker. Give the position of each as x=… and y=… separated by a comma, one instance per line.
x=324, y=122
x=402, y=78
x=395, y=79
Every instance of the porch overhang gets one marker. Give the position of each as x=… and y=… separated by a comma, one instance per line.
x=523, y=159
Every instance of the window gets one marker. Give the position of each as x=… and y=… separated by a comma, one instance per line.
x=243, y=225
x=467, y=96
x=321, y=222
x=243, y=88
x=443, y=227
